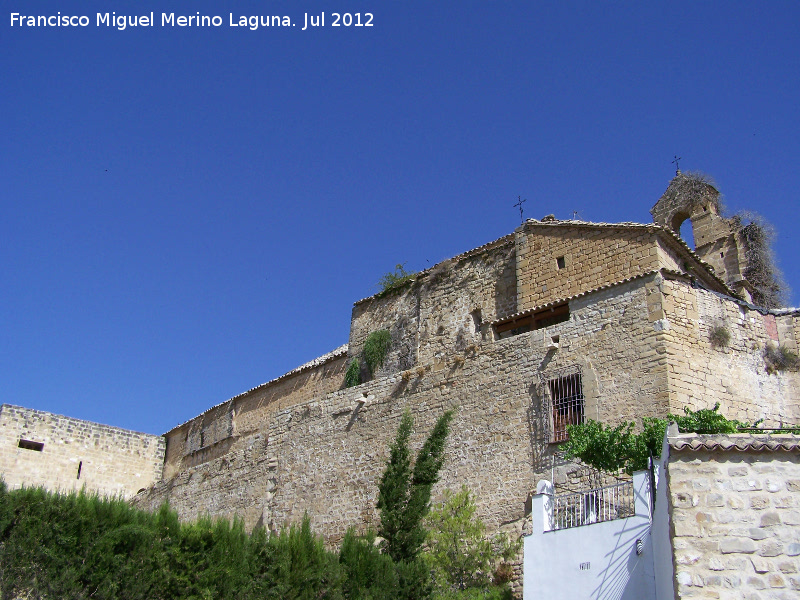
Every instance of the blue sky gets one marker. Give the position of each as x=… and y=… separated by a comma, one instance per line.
x=186, y=213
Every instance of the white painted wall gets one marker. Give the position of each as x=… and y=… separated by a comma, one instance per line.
x=611, y=570
x=662, y=541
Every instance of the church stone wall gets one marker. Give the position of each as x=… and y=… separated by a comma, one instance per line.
x=562, y=259
x=325, y=456
x=212, y=434
x=591, y=257
x=735, y=374
x=442, y=310
x=63, y=454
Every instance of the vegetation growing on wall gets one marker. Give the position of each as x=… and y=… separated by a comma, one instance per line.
x=781, y=358
x=719, y=336
x=375, y=348
x=768, y=287
x=352, y=376
x=615, y=448
x=395, y=280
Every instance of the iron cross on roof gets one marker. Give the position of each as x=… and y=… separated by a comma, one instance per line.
x=675, y=162
x=519, y=203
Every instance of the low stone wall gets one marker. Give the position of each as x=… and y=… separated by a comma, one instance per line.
x=60, y=453
x=735, y=511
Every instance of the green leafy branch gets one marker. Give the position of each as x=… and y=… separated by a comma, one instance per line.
x=614, y=448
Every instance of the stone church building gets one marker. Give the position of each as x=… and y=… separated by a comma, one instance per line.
x=554, y=323
x=557, y=322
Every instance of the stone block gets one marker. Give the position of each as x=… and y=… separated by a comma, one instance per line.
x=737, y=545
x=770, y=519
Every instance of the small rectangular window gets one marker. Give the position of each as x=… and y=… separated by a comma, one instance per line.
x=560, y=262
x=566, y=396
x=29, y=445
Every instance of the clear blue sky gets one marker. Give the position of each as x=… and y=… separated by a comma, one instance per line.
x=186, y=213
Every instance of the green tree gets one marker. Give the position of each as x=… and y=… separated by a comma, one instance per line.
x=369, y=574
x=458, y=552
x=404, y=493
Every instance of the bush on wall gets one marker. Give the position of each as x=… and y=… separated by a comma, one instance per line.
x=375, y=348
x=352, y=376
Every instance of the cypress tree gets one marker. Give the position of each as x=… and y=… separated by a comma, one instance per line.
x=404, y=494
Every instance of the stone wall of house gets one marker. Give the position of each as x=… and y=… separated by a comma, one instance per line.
x=734, y=503
x=716, y=350
x=62, y=454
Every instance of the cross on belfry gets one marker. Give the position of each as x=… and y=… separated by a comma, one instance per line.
x=519, y=203
x=675, y=162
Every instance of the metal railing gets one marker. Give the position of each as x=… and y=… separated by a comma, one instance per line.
x=594, y=506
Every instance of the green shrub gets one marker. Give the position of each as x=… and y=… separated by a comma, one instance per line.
x=613, y=448
x=368, y=572
x=375, y=348
x=352, y=376
x=458, y=553
x=781, y=358
x=394, y=280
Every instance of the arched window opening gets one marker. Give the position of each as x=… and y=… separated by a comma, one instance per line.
x=682, y=225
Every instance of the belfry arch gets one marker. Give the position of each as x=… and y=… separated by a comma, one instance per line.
x=716, y=239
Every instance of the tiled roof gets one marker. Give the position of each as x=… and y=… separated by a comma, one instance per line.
x=556, y=302
x=333, y=354
x=742, y=442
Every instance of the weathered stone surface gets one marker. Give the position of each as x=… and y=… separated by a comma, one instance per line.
x=625, y=309
x=757, y=547
x=60, y=453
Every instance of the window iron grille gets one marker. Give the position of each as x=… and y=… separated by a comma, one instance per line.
x=567, y=402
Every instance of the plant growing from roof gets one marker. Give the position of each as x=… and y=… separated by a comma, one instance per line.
x=394, y=280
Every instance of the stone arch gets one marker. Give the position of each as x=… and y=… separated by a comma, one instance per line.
x=677, y=219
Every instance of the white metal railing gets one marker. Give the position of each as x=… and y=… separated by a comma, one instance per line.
x=594, y=506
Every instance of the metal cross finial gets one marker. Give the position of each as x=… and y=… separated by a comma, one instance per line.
x=675, y=162
x=519, y=204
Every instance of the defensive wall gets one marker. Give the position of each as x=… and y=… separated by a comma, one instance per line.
x=38, y=448
x=621, y=313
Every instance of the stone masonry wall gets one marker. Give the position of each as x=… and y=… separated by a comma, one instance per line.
x=442, y=310
x=63, y=454
x=736, y=519
x=592, y=257
x=735, y=374
x=325, y=456
x=212, y=434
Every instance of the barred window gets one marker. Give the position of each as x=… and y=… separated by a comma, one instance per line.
x=566, y=397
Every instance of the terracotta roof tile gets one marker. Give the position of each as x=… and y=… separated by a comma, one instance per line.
x=742, y=442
